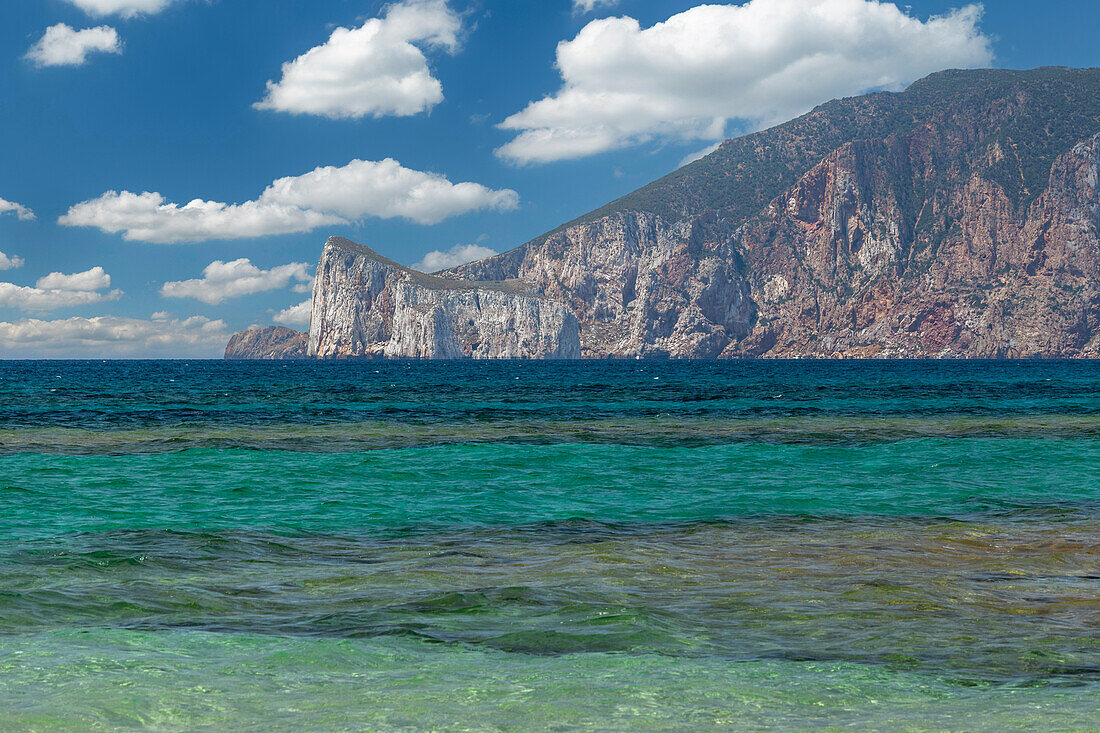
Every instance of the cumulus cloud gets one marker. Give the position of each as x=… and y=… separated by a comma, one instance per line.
x=58, y=290
x=322, y=197
x=223, y=280
x=10, y=262
x=108, y=336
x=63, y=45
x=373, y=70
x=386, y=189
x=148, y=217
x=93, y=279
x=296, y=316
x=36, y=299
x=459, y=254
x=761, y=63
x=124, y=8
x=22, y=212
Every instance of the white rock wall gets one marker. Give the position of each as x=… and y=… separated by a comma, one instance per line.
x=366, y=306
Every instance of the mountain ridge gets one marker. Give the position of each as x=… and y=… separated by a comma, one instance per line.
x=934, y=200
x=640, y=199
x=956, y=218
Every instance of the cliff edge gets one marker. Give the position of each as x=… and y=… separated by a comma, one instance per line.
x=367, y=306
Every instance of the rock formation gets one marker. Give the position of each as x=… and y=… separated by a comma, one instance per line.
x=956, y=219
x=366, y=306
x=959, y=218
x=275, y=342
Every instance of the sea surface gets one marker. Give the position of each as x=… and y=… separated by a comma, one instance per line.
x=549, y=546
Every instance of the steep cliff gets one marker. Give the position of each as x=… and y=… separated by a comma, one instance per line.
x=366, y=306
x=957, y=218
x=275, y=342
x=639, y=286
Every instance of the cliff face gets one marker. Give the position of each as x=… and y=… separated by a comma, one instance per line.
x=839, y=269
x=275, y=342
x=366, y=306
x=958, y=218
x=639, y=287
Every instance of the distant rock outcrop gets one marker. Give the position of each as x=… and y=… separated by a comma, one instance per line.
x=366, y=306
x=275, y=342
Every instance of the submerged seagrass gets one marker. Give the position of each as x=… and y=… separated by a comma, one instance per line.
x=268, y=546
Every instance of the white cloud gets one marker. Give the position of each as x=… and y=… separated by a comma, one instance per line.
x=58, y=290
x=22, y=212
x=147, y=217
x=93, y=279
x=37, y=299
x=322, y=197
x=762, y=62
x=373, y=70
x=108, y=336
x=587, y=6
x=10, y=262
x=223, y=280
x=124, y=8
x=296, y=315
x=459, y=254
x=63, y=45
x=387, y=190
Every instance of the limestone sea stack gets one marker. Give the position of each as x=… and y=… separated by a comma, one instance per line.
x=367, y=306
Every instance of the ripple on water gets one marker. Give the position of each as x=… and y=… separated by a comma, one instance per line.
x=631, y=546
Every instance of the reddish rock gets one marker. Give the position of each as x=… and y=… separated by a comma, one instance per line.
x=957, y=219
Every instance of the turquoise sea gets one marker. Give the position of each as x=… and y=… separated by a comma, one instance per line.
x=549, y=546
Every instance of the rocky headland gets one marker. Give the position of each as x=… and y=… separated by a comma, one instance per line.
x=366, y=306
x=958, y=218
x=275, y=342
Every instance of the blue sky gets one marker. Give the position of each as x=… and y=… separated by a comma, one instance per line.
x=416, y=129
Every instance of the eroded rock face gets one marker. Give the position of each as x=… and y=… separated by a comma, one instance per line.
x=639, y=288
x=275, y=342
x=840, y=270
x=959, y=219
x=365, y=306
